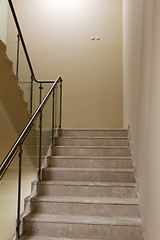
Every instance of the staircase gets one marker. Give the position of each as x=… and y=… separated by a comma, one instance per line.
x=87, y=191
x=11, y=95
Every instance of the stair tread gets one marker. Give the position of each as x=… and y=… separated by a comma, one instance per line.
x=93, y=129
x=90, y=200
x=93, y=147
x=32, y=237
x=90, y=157
x=35, y=145
x=80, y=137
x=92, y=220
x=85, y=183
x=120, y=170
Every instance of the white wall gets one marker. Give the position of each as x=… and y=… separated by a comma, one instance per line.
x=58, y=36
x=141, y=59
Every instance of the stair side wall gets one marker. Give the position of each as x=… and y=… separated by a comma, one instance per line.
x=13, y=108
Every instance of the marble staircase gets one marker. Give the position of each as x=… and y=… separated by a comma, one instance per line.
x=87, y=191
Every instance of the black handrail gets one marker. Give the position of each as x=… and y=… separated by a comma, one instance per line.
x=7, y=161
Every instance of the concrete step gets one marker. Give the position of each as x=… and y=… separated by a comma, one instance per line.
x=92, y=132
x=92, y=141
x=89, y=162
x=91, y=151
x=88, y=174
x=84, y=227
x=88, y=206
x=29, y=237
x=86, y=189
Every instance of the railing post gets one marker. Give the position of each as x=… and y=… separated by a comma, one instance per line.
x=55, y=107
x=53, y=117
x=19, y=192
x=60, y=117
x=17, y=67
x=40, y=134
x=31, y=95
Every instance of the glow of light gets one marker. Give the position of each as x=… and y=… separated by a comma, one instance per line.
x=66, y=4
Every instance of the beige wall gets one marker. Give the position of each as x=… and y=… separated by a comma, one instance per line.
x=23, y=69
x=3, y=19
x=13, y=109
x=58, y=36
x=141, y=39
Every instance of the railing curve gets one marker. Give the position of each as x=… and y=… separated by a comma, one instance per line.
x=7, y=161
x=18, y=145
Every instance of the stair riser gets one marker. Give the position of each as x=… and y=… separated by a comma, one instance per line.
x=87, y=176
x=103, y=152
x=92, y=133
x=92, y=142
x=89, y=163
x=86, y=191
x=83, y=231
x=80, y=209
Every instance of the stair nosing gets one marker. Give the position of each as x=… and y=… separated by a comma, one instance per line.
x=93, y=129
x=89, y=220
x=81, y=137
x=94, y=147
x=87, y=183
x=129, y=170
x=91, y=157
x=35, y=145
x=86, y=200
x=28, y=237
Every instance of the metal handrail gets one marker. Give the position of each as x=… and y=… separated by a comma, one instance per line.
x=20, y=37
x=17, y=147
x=5, y=164
x=24, y=46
